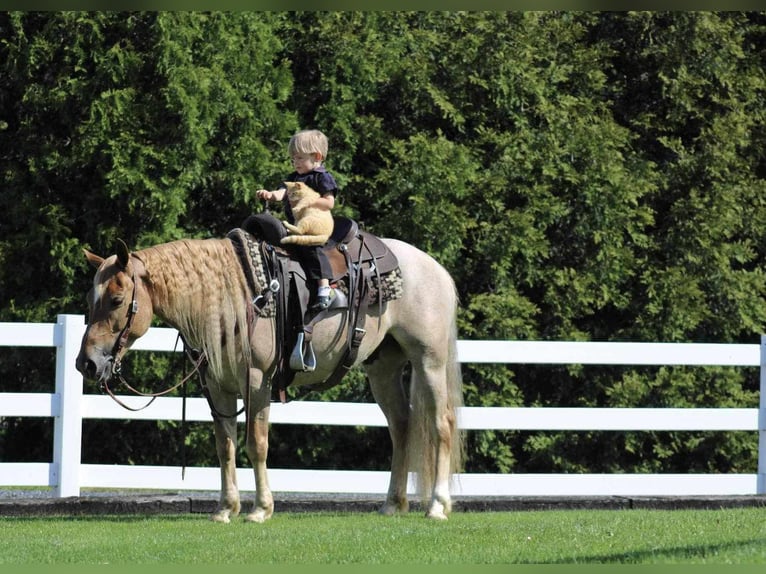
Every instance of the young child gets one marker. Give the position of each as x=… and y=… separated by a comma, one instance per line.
x=307, y=150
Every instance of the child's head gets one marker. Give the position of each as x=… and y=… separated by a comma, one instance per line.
x=309, y=142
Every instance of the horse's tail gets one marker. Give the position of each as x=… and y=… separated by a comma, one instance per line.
x=422, y=444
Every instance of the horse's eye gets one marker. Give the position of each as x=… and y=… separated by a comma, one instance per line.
x=117, y=300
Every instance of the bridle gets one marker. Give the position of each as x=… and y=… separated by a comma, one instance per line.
x=122, y=338
x=198, y=359
x=119, y=346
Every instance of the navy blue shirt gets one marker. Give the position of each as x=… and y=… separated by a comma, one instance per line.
x=318, y=179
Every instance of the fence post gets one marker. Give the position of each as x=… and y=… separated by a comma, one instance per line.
x=67, y=427
x=761, y=484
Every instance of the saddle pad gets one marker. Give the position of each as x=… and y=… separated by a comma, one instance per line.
x=391, y=286
x=248, y=250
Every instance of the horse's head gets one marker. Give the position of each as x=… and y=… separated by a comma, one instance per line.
x=120, y=311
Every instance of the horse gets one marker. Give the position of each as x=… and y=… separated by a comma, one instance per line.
x=199, y=287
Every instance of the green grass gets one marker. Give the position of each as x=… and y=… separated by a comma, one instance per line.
x=733, y=536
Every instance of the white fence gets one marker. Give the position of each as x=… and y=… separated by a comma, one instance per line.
x=68, y=405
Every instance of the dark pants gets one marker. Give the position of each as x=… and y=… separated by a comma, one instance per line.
x=314, y=262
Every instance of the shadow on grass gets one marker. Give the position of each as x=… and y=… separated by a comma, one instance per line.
x=668, y=555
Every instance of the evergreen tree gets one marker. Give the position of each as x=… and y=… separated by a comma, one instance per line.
x=582, y=175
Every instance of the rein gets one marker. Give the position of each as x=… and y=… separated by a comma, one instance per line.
x=198, y=363
x=119, y=346
x=198, y=359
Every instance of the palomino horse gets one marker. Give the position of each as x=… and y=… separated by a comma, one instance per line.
x=198, y=286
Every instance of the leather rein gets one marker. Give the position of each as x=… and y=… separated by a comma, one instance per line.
x=197, y=358
x=121, y=343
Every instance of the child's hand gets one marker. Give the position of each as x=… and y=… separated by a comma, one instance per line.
x=265, y=194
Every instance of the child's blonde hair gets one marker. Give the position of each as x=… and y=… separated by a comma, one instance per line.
x=308, y=141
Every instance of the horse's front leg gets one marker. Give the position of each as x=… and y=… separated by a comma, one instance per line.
x=226, y=446
x=257, y=444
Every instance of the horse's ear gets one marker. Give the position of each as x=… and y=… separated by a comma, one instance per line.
x=123, y=253
x=93, y=259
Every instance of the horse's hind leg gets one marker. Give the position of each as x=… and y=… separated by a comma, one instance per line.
x=257, y=445
x=434, y=419
x=385, y=376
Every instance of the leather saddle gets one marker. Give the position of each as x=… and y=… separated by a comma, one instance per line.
x=346, y=246
x=360, y=261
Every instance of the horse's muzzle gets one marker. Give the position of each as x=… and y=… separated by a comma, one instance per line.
x=100, y=369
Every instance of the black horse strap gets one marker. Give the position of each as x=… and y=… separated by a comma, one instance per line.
x=263, y=265
x=358, y=291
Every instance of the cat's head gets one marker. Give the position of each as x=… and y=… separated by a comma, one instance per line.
x=297, y=190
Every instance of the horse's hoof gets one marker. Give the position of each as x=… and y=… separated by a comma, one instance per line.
x=438, y=510
x=221, y=516
x=387, y=510
x=393, y=508
x=259, y=516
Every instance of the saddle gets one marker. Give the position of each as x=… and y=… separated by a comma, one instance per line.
x=364, y=270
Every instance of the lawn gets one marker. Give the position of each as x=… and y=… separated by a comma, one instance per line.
x=725, y=536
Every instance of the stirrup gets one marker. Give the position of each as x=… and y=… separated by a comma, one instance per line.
x=303, y=359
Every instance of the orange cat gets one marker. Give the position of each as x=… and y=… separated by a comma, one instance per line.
x=313, y=226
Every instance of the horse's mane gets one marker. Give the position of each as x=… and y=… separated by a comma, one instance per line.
x=198, y=287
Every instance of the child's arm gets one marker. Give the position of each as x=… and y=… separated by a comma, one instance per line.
x=275, y=195
x=325, y=202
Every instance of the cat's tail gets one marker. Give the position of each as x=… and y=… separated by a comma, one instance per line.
x=305, y=239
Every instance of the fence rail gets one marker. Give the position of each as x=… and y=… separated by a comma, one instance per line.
x=69, y=406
